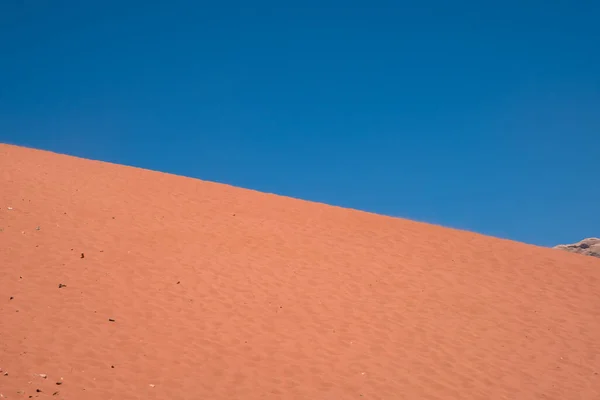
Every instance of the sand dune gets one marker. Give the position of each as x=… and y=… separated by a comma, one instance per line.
x=122, y=283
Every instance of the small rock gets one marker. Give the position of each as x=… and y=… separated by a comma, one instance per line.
x=43, y=376
x=60, y=285
x=59, y=383
x=38, y=390
x=37, y=228
x=151, y=385
x=82, y=255
x=111, y=320
x=10, y=208
x=55, y=393
x=11, y=298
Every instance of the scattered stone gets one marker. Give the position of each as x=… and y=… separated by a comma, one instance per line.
x=82, y=255
x=588, y=247
x=60, y=285
x=10, y=208
x=112, y=366
x=111, y=320
x=59, y=383
x=151, y=385
x=37, y=228
x=38, y=390
x=11, y=298
x=44, y=376
x=178, y=282
x=55, y=393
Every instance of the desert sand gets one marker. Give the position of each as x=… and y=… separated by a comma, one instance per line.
x=123, y=283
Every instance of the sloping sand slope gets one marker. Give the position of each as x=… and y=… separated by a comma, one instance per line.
x=196, y=290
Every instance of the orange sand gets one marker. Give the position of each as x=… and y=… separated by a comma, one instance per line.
x=218, y=292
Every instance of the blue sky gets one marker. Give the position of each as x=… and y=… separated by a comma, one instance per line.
x=476, y=115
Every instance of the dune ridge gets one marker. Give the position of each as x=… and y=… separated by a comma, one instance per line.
x=123, y=283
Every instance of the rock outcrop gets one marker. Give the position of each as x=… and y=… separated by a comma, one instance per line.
x=588, y=247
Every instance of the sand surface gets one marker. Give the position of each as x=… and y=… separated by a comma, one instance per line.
x=178, y=288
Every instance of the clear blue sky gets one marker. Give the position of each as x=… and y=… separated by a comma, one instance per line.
x=471, y=114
